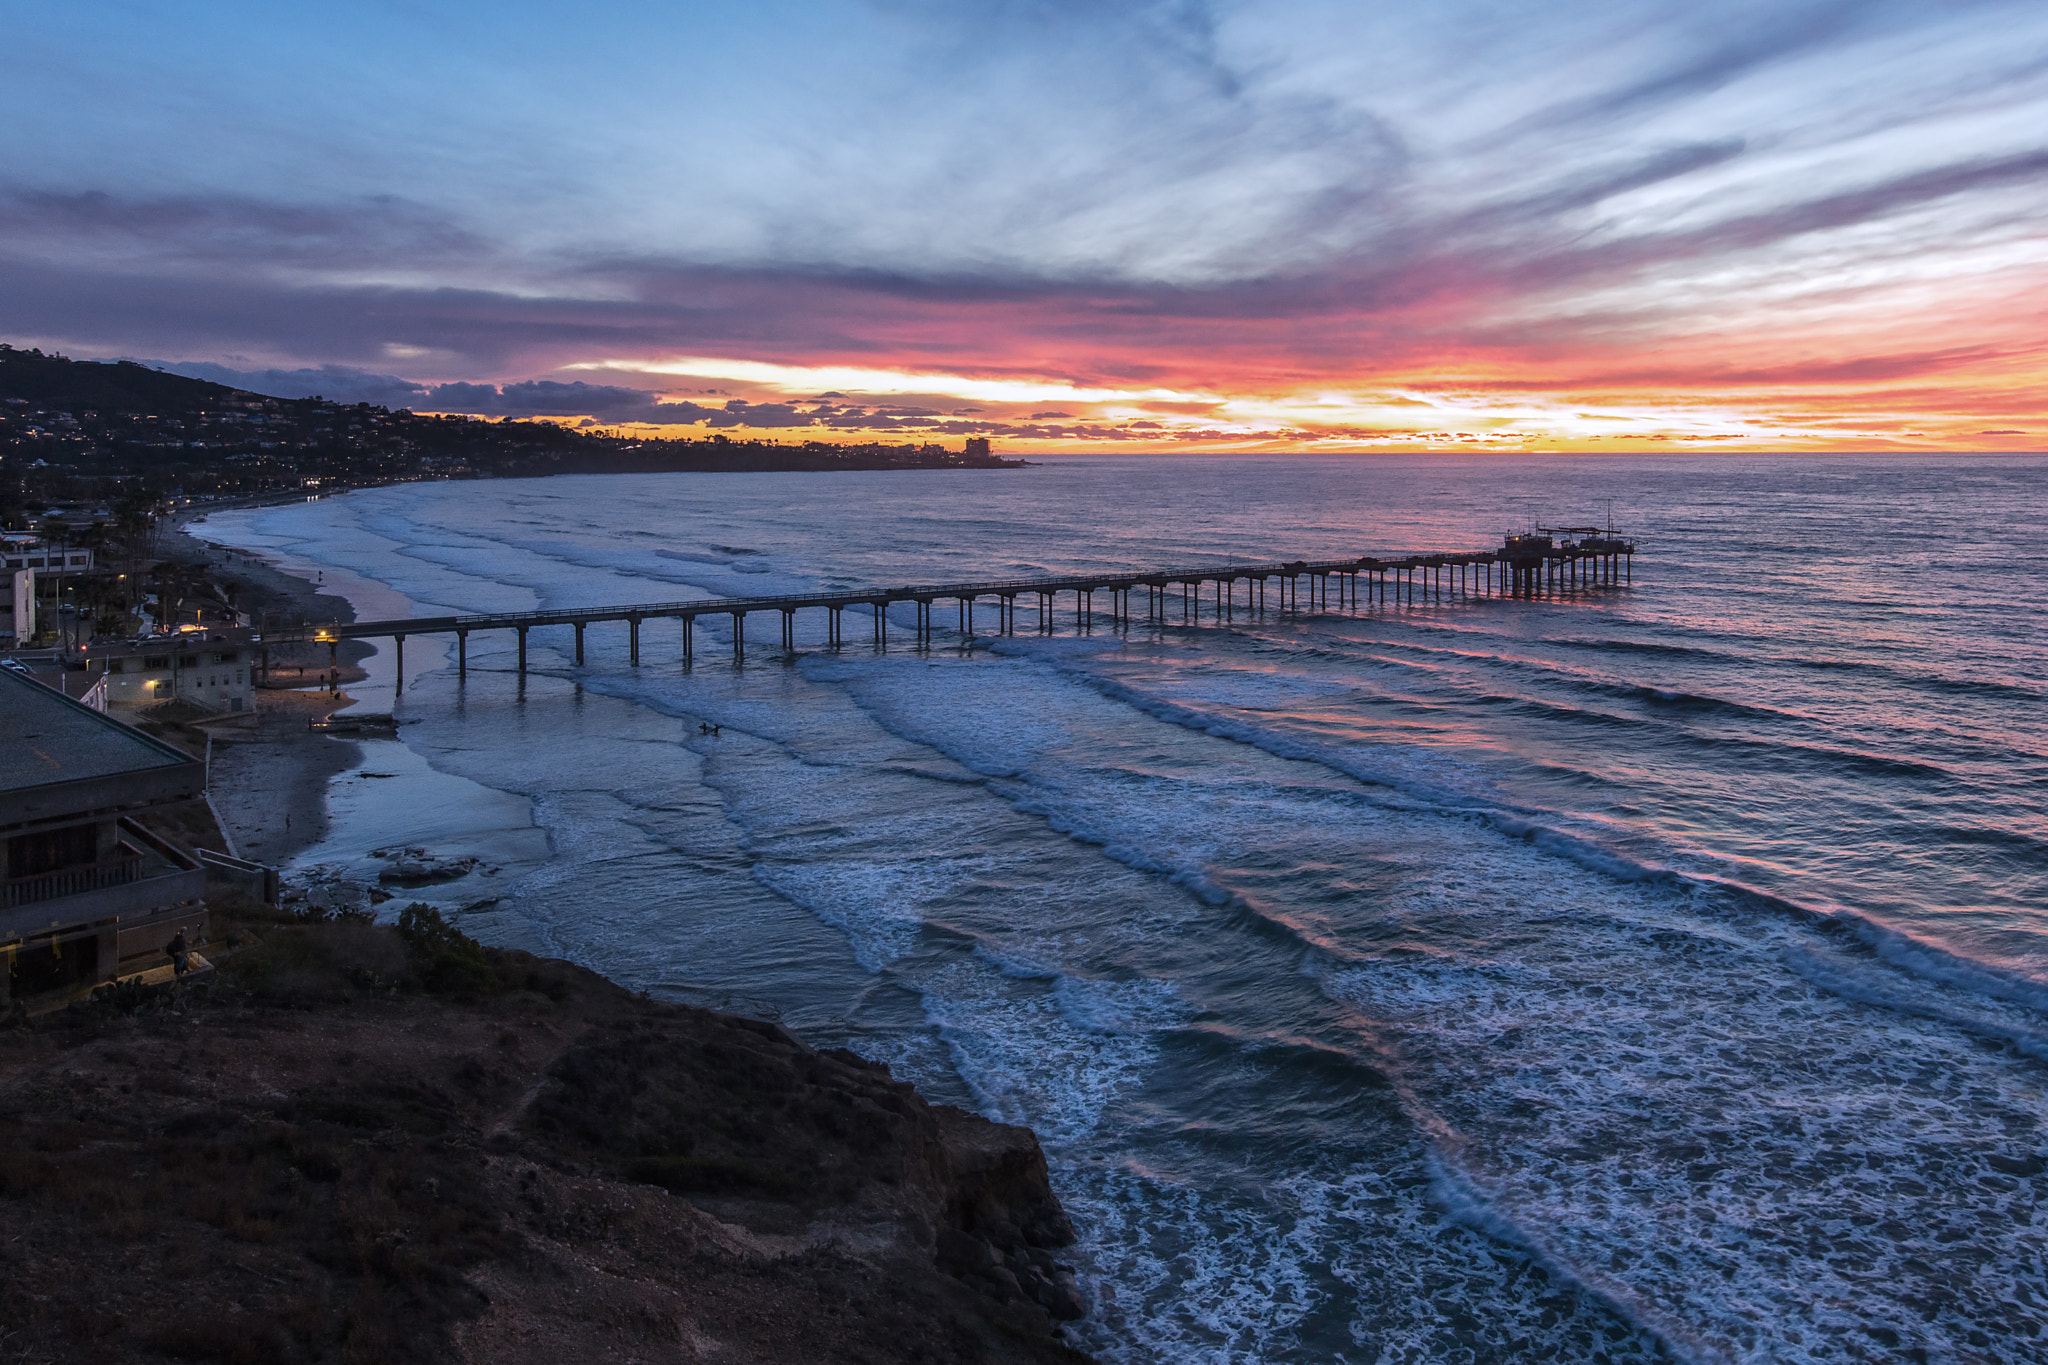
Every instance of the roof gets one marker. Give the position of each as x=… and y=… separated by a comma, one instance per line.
x=72, y=682
x=48, y=741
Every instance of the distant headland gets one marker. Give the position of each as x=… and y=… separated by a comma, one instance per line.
x=73, y=431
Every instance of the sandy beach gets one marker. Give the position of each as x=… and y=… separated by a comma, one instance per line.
x=269, y=781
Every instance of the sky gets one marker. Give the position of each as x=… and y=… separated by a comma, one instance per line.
x=1274, y=224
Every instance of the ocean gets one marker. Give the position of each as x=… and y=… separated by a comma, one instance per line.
x=1650, y=972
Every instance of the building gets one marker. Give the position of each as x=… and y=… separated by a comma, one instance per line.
x=35, y=570
x=21, y=607
x=76, y=519
x=34, y=552
x=212, y=668
x=86, y=885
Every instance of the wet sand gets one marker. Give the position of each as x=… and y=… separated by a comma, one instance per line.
x=269, y=782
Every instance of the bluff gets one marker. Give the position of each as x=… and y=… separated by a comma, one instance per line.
x=369, y=1144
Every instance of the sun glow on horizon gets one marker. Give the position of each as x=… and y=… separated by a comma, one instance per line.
x=795, y=379
x=1463, y=406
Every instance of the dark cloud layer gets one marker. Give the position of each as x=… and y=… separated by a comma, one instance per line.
x=606, y=403
x=244, y=230
x=532, y=398
x=1380, y=310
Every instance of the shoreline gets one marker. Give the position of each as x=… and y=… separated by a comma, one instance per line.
x=366, y=821
x=269, y=783
x=415, y=800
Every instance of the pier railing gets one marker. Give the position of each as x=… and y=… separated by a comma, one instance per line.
x=1528, y=566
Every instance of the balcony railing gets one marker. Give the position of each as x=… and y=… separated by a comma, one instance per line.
x=72, y=881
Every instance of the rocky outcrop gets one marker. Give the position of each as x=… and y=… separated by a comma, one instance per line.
x=787, y=1141
x=1001, y=1224
x=368, y=1145
x=419, y=867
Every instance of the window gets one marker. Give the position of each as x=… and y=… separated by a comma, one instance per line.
x=188, y=661
x=157, y=661
x=113, y=665
x=226, y=656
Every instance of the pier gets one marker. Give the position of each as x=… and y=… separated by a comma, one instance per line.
x=1545, y=562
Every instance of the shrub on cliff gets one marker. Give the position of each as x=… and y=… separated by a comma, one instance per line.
x=448, y=961
x=335, y=959
x=318, y=964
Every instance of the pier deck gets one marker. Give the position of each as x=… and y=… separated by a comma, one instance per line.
x=1525, y=567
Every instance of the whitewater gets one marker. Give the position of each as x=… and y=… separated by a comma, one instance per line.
x=1656, y=972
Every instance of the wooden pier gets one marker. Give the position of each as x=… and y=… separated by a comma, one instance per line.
x=1540, y=564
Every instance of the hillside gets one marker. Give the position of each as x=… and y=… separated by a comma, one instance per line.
x=83, y=431
x=55, y=384
x=373, y=1144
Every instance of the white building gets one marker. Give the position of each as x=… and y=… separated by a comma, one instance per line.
x=21, y=607
x=34, y=570
x=213, y=668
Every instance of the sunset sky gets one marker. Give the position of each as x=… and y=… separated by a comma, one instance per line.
x=1760, y=224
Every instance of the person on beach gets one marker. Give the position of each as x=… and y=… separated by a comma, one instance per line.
x=181, y=955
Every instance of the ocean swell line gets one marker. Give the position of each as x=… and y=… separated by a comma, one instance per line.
x=1939, y=966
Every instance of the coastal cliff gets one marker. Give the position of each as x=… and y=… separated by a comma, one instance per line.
x=388, y=1144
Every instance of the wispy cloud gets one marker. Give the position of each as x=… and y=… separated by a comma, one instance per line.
x=1079, y=210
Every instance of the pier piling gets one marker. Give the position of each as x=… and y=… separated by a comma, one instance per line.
x=1544, y=561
